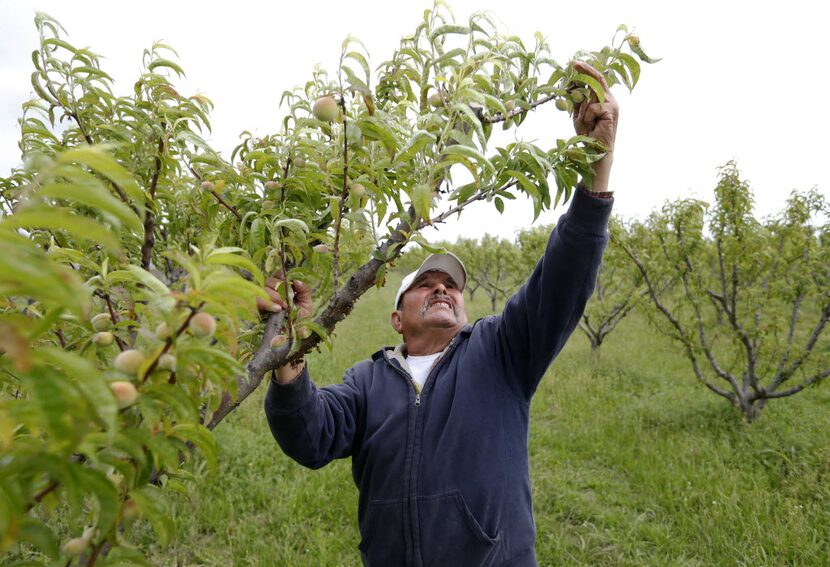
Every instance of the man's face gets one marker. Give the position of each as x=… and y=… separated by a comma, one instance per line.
x=433, y=301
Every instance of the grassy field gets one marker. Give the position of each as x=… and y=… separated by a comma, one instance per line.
x=633, y=463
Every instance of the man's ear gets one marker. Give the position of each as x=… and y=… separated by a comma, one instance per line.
x=396, y=322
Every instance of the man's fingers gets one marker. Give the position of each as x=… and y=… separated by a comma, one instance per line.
x=586, y=69
x=275, y=279
x=269, y=306
x=275, y=305
x=301, y=288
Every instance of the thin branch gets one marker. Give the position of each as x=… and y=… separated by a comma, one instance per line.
x=785, y=357
x=49, y=488
x=501, y=117
x=150, y=218
x=113, y=316
x=483, y=194
x=335, y=259
x=794, y=390
x=168, y=342
x=217, y=196
x=808, y=348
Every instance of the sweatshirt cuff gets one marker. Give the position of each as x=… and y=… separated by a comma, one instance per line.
x=286, y=398
x=590, y=213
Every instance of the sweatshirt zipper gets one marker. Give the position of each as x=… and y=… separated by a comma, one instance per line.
x=412, y=496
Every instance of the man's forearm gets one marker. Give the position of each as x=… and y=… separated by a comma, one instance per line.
x=602, y=173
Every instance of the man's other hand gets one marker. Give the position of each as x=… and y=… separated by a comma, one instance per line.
x=301, y=297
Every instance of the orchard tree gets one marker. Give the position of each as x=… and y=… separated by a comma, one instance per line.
x=466, y=248
x=133, y=251
x=752, y=301
x=492, y=266
x=619, y=287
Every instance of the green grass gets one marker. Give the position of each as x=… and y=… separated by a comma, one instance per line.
x=633, y=463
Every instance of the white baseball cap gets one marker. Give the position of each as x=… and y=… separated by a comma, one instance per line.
x=447, y=263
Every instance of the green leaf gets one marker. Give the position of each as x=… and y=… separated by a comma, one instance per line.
x=418, y=141
x=424, y=243
x=56, y=400
x=499, y=204
x=464, y=192
x=91, y=71
x=593, y=83
x=472, y=119
x=448, y=29
x=374, y=129
x=42, y=92
x=97, y=158
x=89, y=380
x=258, y=238
x=188, y=264
x=448, y=57
x=151, y=502
x=39, y=535
x=96, y=197
x=294, y=225
x=632, y=65
x=527, y=184
x=200, y=436
x=59, y=43
x=222, y=286
x=171, y=398
x=471, y=153
x=98, y=485
x=361, y=60
x=642, y=54
x=421, y=197
x=149, y=280
x=165, y=299
x=238, y=262
x=80, y=227
x=155, y=64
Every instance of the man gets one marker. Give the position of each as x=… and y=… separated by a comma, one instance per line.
x=437, y=428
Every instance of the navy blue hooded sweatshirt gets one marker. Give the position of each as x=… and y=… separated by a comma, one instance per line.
x=443, y=476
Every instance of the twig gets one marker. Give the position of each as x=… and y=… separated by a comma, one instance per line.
x=113, y=316
x=217, y=196
x=501, y=117
x=150, y=218
x=168, y=342
x=335, y=260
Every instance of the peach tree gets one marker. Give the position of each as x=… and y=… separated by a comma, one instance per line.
x=133, y=251
x=747, y=300
x=619, y=288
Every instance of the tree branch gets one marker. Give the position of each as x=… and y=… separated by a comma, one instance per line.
x=681, y=332
x=338, y=308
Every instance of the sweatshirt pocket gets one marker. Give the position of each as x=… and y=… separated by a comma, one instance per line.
x=450, y=534
x=382, y=542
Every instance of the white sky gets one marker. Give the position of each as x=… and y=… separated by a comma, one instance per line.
x=738, y=80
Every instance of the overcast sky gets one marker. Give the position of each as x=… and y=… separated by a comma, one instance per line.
x=738, y=80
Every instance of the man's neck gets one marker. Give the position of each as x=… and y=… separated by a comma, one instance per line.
x=430, y=343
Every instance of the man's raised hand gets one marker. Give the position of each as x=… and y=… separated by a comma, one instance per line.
x=599, y=121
